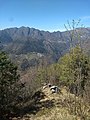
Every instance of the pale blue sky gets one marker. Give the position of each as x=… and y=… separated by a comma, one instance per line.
x=48, y=15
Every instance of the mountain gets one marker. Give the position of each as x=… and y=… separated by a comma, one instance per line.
x=30, y=43
x=24, y=40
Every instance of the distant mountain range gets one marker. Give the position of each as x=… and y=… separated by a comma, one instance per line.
x=26, y=41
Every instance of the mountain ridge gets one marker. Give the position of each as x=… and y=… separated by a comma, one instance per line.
x=53, y=45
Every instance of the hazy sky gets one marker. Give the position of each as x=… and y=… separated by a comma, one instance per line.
x=43, y=14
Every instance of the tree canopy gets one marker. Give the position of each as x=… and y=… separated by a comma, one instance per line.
x=8, y=80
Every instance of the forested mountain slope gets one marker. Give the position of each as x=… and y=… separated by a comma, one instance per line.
x=31, y=44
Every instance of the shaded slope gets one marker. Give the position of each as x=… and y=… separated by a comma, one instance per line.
x=25, y=40
x=55, y=106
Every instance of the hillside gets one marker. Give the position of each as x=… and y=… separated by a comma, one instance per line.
x=24, y=40
x=54, y=106
x=31, y=44
x=34, y=51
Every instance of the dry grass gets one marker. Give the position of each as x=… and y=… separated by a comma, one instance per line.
x=59, y=107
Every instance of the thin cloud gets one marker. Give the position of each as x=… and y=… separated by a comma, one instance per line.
x=85, y=18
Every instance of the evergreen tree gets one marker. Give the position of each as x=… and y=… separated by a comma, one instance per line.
x=8, y=85
x=75, y=68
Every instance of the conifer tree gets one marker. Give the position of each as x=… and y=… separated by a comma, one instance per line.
x=8, y=85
